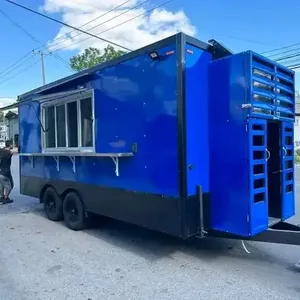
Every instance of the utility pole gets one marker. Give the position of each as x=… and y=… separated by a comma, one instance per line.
x=41, y=53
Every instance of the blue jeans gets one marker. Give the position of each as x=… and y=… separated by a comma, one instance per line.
x=6, y=183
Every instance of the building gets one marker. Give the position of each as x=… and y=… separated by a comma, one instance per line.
x=3, y=131
x=12, y=124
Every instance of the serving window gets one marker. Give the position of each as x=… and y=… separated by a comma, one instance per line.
x=69, y=122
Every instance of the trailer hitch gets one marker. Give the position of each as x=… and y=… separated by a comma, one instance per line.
x=280, y=233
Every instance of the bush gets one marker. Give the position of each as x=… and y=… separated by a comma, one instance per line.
x=297, y=159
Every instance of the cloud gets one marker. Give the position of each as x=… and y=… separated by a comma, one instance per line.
x=133, y=34
x=4, y=101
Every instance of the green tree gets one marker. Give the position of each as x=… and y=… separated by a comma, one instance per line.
x=93, y=56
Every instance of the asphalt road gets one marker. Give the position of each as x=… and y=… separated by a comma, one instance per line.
x=40, y=259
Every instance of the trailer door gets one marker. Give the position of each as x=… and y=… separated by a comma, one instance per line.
x=258, y=173
x=287, y=164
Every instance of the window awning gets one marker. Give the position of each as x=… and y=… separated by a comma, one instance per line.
x=44, y=98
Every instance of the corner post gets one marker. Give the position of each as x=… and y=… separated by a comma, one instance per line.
x=182, y=172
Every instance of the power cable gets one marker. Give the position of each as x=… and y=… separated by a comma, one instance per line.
x=283, y=52
x=281, y=48
x=287, y=57
x=65, y=37
x=8, y=71
x=129, y=20
x=15, y=63
x=104, y=31
x=294, y=67
x=31, y=36
x=68, y=25
x=20, y=72
x=113, y=18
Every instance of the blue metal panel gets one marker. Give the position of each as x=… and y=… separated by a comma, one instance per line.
x=135, y=102
x=196, y=112
x=30, y=137
x=81, y=78
x=287, y=177
x=30, y=129
x=258, y=176
x=228, y=147
x=272, y=91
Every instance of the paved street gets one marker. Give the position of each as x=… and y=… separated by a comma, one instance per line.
x=44, y=260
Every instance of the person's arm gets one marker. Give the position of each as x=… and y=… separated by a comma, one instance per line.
x=14, y=151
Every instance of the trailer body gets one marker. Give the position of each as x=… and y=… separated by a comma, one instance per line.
x=137, y=102
x=163, y=137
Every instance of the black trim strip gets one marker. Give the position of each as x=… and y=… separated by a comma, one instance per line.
x=180, y=46
x=199, y=44
x=156, y=212
x=219, y=51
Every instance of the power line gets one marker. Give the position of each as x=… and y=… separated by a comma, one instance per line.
x=64, y=37
x=284, y=52
x=68, y=25
x=30, y=35
x=288, y=60
x=281, y=48
x=294, y=67
x=23, y=70
x=113, y=18
x=15, y=63
x=129, y=20
x=8, y=71
x=287, y=57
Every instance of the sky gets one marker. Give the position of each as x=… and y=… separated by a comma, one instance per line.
x=258, y=25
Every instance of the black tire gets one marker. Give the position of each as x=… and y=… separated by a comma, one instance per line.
x=74, y=212
x=53, y=205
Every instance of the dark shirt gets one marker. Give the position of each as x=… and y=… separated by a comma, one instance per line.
x=5, y=162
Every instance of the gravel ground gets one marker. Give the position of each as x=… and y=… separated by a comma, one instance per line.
x=44, y=260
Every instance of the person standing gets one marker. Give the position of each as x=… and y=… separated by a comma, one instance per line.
x=6, y=180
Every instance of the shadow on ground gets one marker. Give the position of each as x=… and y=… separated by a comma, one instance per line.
x=154, y=246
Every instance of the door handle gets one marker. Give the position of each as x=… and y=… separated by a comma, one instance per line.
x=285, y=152
x=268, y=154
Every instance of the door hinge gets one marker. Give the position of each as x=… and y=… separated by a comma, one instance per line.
x=246, y=127
x=248, y=219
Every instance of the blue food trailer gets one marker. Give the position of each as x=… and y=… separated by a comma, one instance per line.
x=181, y=137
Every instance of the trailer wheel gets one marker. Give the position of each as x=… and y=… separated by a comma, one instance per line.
x=53, y=205
x=74, y=212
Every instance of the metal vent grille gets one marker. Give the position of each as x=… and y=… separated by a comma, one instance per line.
x=272, y=89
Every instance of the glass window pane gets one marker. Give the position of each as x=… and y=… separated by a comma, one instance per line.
x=61, y=126
x=72, y=124
x=86, y=122
x=50, y=127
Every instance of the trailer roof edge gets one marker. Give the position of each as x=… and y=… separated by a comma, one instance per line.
x=10, y=106
x=118, y=60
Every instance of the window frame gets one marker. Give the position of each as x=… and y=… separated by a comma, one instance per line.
x=64, y=100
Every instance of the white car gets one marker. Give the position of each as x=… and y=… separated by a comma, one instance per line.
x=2, y=144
